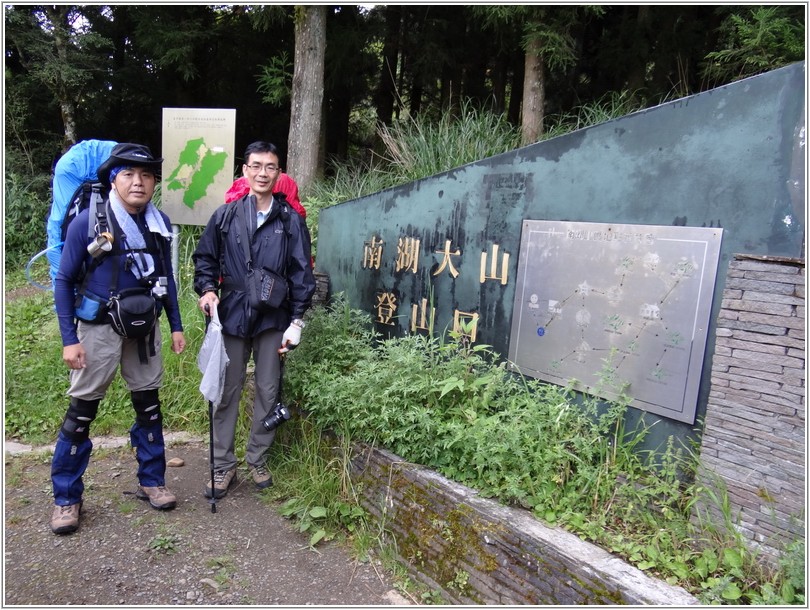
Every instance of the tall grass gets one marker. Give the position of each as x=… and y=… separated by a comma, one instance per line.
x=413, y=149
x=612, y=105
x=416, y=149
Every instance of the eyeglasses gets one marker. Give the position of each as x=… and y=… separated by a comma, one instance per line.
x=269, y=168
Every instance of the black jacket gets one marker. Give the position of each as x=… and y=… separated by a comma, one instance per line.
x=282, y=244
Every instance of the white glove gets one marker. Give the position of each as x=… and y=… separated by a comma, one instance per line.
x=291, y=338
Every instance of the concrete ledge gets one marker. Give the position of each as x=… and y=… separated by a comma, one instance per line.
x=99, y=442
x=476, y=551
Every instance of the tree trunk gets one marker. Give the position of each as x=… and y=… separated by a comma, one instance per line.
x=303, y=144
x=475, y=65
x=69, y=119
x=534, y=95
x=450, y=89
x=637, y=70
x=59, y=20
x=338, y=109
x=417, y=89
x=499, y=78
x=386, y=87
x=516, y=88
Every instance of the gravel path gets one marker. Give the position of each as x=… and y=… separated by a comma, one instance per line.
x=127, y=553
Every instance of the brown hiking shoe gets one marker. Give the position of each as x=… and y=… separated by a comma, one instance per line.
x=65, y=519
x=261, y=477
x=223, y=479
x=159, y=497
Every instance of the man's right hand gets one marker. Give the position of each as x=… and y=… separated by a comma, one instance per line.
x=211, y=300
x=74, y=356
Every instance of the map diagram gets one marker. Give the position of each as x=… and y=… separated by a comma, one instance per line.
x=196, y=171
x=624, y=304
x=198, y=152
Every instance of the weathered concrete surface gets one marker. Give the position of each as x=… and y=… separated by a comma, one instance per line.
x=476, y=551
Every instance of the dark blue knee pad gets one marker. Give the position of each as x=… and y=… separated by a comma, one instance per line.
x=147, y=408
x=79, y=416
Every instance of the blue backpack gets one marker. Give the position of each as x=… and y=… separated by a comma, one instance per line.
x=75, y=188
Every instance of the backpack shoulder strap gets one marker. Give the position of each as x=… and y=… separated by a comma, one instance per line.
x=224, y=226
x=83, y=197
x=73, y=208
x=96, y=224
x=99, y=208
x=227, y=217
x=285, y=212
x=285, y=219
x=99, y=211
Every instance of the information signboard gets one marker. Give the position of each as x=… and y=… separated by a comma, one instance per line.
x=198, y=153
x=616, y=306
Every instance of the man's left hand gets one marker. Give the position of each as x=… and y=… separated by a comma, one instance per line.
x=291, y=338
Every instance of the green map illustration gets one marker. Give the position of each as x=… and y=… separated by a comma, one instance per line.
x=196, y=170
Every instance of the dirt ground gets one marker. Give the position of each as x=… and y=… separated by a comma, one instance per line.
x=127, y=553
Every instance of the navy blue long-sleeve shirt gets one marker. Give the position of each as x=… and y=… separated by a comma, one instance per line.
x=68, y=281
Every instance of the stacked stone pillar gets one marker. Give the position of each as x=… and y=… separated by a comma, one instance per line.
x=753, y=442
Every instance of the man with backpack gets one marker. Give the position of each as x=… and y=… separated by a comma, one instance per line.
x=253, y=264
x=115, y=278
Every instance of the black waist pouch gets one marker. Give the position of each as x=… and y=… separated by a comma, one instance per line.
x=133, y=315
x=266, y=289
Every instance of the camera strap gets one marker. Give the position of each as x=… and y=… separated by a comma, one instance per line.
x=246, y=239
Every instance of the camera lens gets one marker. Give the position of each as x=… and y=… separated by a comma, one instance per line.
x=279, y=415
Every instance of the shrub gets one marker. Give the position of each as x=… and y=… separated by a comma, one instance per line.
x=26, y=213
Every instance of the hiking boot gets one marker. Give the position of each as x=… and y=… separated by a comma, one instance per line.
x=159, y=497
x=223, y=479
x=65, y=519
x=261, y=477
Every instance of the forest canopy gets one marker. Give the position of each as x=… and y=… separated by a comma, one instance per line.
x=74, y=72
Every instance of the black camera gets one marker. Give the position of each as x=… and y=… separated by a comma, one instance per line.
x=279, y=415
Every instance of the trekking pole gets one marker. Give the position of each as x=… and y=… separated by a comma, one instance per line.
x=279, y=396
x=213, y=500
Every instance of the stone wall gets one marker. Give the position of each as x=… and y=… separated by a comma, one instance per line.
x=321, y=296
x=754, y=436
x=476, y=551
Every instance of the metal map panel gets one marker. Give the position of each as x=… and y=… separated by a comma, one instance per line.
x=616, y=306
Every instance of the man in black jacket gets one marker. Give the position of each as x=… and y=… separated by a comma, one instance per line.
x=267, y=230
